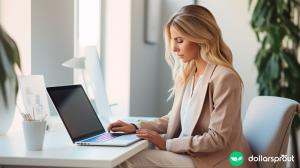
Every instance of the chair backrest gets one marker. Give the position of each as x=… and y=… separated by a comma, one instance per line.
x=267, y=126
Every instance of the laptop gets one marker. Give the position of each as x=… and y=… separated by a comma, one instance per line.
x=81, y=120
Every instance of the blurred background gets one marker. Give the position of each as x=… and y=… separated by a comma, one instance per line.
x=129, y=40
x=128, y=36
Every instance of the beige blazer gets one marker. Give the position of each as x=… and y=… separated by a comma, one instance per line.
x=217, y=126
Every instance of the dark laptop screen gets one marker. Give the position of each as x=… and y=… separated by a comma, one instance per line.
x=76, y=111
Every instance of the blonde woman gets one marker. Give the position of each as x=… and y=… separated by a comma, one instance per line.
x=204, y=125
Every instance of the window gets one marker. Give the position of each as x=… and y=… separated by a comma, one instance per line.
x=115, y=57
x=87, y=34
x=88, y=23
x=88, y=46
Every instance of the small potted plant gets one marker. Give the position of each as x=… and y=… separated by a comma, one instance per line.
x=9, y=61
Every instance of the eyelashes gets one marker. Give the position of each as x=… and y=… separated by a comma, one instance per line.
x=178, y=40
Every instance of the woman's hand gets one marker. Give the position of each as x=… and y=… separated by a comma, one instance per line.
x=153, y=137
x=122, y=127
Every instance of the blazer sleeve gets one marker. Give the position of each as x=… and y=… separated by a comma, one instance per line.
x=159, y=125
x=226, y=112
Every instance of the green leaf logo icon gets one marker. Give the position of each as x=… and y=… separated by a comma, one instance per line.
x=236, y=158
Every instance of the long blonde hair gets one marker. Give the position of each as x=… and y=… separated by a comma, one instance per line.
x=198, y=25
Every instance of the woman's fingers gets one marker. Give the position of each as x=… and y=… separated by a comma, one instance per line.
x=122, y=122
x=145, y=131
x=109, y=127
x=116, y=129
x=152, y=137
x=118, y=123
x=146, y=134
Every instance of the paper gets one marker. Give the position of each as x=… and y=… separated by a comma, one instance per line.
x=34, y=96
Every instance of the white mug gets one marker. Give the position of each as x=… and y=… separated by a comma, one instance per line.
x=34, y=133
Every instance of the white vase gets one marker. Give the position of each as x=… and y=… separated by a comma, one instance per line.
x=7, y=112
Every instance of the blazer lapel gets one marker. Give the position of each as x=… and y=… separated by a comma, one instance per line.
x=202, y=94
x=174, y=120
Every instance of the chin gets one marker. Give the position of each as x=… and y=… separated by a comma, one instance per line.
x=185, y=60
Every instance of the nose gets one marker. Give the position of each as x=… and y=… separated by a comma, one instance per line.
x=175, y=48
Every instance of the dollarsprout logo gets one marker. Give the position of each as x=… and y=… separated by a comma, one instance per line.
x=236, y=158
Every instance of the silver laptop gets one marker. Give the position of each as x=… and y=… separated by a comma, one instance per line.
x=81, y=120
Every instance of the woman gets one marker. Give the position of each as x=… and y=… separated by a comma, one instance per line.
x=204, y=125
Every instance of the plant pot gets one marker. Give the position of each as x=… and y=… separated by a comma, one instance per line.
x=7, y=111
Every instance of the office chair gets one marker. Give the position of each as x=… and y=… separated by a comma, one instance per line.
x=267, y=127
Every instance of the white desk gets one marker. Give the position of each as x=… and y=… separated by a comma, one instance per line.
x=59, y=151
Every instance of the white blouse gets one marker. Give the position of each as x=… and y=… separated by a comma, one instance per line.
x=189, y=105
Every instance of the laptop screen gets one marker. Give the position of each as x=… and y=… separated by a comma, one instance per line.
x=76, y=111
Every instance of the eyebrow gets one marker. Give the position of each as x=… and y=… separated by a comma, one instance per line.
x=175, y=38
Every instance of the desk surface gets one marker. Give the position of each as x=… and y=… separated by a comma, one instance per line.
x=58, y=150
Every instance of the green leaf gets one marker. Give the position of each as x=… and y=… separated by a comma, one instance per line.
x=258, y=13
x=278, y=68
x=11, y=49
x=9, y=56
x=262, y=59
x=273, y=67
x=292, y=63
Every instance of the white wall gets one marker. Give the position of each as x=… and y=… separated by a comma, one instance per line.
x=144, y=66
x=233, y=18
x=15, y=17
x=52, y=39
x=150, y=75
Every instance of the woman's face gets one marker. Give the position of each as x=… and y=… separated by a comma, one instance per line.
x=184, y=49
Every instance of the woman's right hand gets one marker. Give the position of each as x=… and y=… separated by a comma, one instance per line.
x=121, y=126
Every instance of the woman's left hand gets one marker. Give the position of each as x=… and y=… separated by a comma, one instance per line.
x=153, y=137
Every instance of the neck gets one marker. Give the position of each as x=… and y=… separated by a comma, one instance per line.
x=200, y=65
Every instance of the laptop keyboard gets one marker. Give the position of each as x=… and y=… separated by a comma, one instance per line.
x=103, y=137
